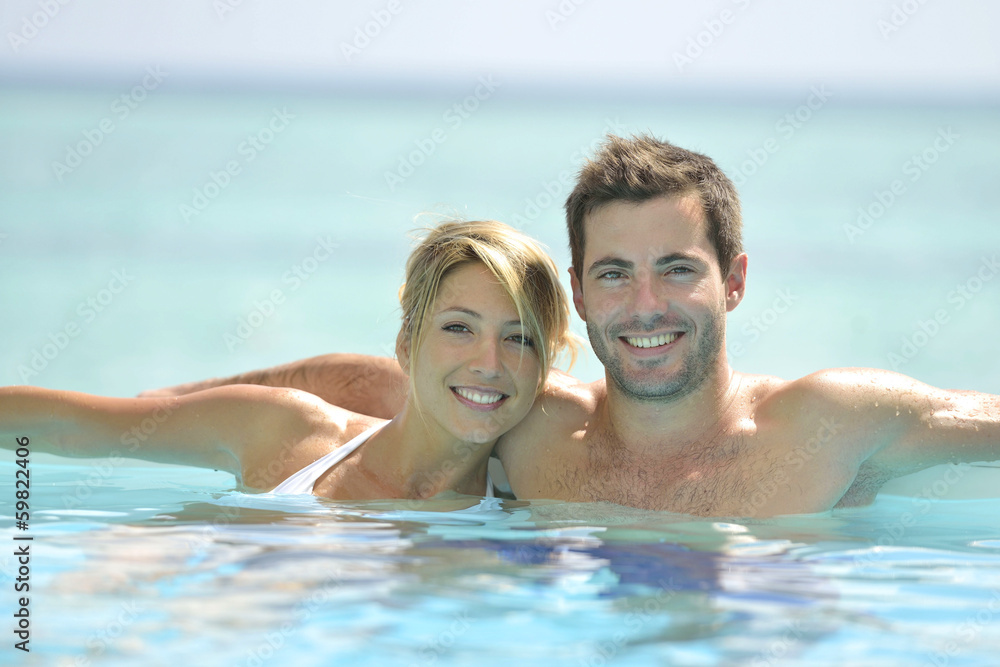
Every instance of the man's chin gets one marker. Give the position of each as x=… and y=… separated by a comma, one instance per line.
x=655, y=381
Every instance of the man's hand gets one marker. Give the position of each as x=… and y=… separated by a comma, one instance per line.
x=368, y=385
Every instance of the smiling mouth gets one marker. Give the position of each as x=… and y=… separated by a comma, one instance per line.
x=485, y=399
x=651, y=341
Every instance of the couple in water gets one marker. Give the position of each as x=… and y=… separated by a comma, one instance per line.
x=655, y=238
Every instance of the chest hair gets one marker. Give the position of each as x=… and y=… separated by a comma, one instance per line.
x=713, y=478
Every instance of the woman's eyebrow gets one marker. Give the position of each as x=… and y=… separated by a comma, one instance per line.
x=460, y=309
x=472, y=313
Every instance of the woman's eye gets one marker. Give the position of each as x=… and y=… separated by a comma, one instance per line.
x=457, y=328
x=523, y=341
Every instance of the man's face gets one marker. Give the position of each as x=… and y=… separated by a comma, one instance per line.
x=653, y=295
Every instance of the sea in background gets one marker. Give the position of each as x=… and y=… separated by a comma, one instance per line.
x=155, y=235
x=187, y=234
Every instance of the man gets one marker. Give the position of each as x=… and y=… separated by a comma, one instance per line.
x=655, y=236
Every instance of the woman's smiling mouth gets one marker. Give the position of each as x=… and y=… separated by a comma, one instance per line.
x=479, y=399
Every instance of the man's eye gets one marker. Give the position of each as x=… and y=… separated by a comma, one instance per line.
x=680, y=269
x=611, y=275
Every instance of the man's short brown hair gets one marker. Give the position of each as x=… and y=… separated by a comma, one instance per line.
x=642, y=168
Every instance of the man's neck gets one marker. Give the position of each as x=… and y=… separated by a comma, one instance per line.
x=672, y=423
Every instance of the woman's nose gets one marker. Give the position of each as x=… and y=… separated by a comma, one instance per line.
x=486, y=360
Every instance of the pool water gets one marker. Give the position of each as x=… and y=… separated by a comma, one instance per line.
x=153, y=565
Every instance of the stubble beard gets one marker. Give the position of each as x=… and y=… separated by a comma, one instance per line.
x=695, y=368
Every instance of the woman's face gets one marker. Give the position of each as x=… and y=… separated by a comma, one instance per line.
x=476, y=371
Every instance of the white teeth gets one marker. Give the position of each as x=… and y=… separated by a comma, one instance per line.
x=478, y=396
x=655, y=341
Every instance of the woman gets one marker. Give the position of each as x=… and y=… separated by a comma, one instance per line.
x=483, y=317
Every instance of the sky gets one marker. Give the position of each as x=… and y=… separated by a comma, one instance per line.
x=883, y=49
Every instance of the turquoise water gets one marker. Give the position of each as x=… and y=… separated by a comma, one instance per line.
x=110, y=285
x=152, y=565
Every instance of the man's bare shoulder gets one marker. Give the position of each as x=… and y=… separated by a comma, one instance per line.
x=567, y=399
x=865, y=407
x=836, y=388
x=565, y=406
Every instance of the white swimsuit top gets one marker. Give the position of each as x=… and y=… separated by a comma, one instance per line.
x=304, y=480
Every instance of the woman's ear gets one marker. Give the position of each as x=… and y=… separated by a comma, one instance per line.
x=403, y=350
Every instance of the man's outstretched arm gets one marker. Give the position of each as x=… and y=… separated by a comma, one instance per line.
x=361, y=383
x=902, y=425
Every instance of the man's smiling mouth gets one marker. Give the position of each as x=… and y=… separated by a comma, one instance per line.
x=651, y=341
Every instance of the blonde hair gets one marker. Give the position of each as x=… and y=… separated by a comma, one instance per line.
x=522, y=268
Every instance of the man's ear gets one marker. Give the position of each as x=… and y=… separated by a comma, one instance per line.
x=577, y=294
x=403, y=350
x=736, y=281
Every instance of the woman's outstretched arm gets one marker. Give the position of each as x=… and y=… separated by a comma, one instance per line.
x=229, y=428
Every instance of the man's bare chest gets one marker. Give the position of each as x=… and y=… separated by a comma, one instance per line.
x=731, y=476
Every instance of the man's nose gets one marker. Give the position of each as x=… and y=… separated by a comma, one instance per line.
x=647, y=297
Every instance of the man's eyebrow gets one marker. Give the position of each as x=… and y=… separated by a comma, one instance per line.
x=609, y=261
x=678, y=257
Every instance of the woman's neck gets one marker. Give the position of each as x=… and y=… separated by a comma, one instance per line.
x=420, y=459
